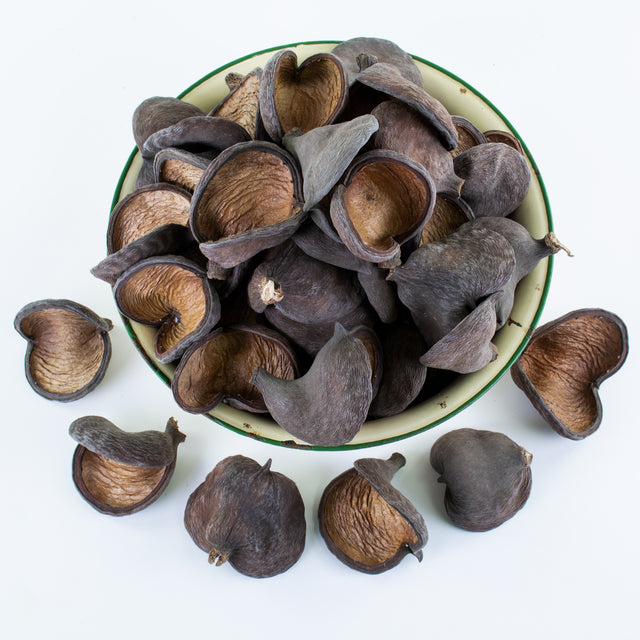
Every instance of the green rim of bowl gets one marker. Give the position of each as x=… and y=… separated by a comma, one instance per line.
x=290, y=444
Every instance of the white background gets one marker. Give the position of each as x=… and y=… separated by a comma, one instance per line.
x=566, y=76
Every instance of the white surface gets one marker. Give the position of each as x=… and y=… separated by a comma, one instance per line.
x=565, y=566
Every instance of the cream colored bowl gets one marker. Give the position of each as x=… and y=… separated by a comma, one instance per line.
x=460, y=99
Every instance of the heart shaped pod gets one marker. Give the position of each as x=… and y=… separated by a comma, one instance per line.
x=172, y=294
x=488, y=477
x=384, y=200
x=328, y=405
x=248, y=199
x=496, y=178
x=247, y=515
x=68, y=350
x=119, y=472
x=300, y=97
x=366, y=522
x=563, y=365
x=218, y=368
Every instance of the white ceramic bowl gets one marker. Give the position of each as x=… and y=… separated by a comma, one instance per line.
x=460, y=99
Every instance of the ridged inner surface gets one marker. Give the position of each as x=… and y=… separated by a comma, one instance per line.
x=68, y=349
x=362, y=524
x=251, y=190
x=147, y=211
x=562, y=363
x=444, y=220
x=384, y=200
x=180, y=173
x=242, y=105
x=116, y=484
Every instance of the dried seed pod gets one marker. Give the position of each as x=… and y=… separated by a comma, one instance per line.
x=68, y=350
x=449, y=213
x=488, y=477
x=506, y=137
x=468, y=135
x=300, y=97
x=366, y=522
x=385, y=199
x=403, y=129
x=218, y=368
x=328, y=405
x=119, y=472
x=172, y=294
x=179, y=167
x=387, y=79
x=496, y=178
x=248, y=199
x=564, y=364
x=247, y=515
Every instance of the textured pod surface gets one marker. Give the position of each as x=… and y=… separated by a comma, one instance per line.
x=119, y=472
x=488, y=477
x=68, y=350
x=241, y=103
x=367, y=523
x=247, y=515
x=468, y=135
x=179, y=167
x=564, y=364
x=449, y=213
x=219, y=367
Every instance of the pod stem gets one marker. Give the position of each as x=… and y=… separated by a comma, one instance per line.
x=270, y=291
x=551, y=240
x=217, y=557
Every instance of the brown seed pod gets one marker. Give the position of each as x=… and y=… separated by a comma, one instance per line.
x=68, y=350
x=468, y=135
x=247, y=515
x=172, y=294
x=449, y=213
x=506, y=137
x=328, y=405
x=488, y=477
x=119, y=472
x=248, y=199
x=564, y=364
x=179, y=167
x=218, y=368
x=366, y=522
x=385, y=199
x=300, y=97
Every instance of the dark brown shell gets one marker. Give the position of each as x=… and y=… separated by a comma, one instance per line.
x=562, y=367
x=218, y=368
x=68, y=350
x=506, y=137
x=367, y=523
x=247, y=515
x=468, y=135
x=117, y=472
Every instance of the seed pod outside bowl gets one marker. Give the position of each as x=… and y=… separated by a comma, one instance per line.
x=366, y=522
x=564, y=364
x=118, y=472
x=68, y=350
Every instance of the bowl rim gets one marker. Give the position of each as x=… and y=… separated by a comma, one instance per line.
x=291, y=444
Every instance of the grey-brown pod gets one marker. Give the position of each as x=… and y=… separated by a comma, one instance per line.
x=565, y=362
x=324, y=153
x=179, y=167
x=328, y=405
x=384, y=200
x=118, y=472
x=248, y=199
x=241, y=103
x=172, y=294
x=387, y=79
x=442, y=281
x=144, y=210
x=366, y=522
x=488, y=477
x=403, y=129
x=300, y=97
x=506, y=137
x=249, y=516
x=68, y=348
x=496, y=178
x=301, y=287
x=449, y=213
x=348, y=51
x=218, y=368
x=468, y=135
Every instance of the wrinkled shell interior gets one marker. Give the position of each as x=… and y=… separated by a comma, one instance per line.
x=447, y=216
x=384, y=199
x=146, y=211
x=225, y=365
x=116, y=484
x=362, y=524
x=562, y=363
x=181, y=173
x=253, y=189
x=241, y=105
x=306, y=98
x=68, y=349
